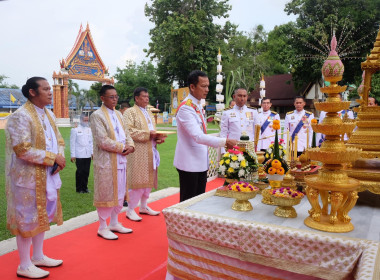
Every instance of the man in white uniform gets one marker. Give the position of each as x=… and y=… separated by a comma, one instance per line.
x=342, y=114
x=81, y=152
x=112, y=143
x=35, y=155
x=239, y=119
x=265, y=120
x=298, y=123
x=191, y=154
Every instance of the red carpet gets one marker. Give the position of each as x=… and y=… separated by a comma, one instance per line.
x=140, y=255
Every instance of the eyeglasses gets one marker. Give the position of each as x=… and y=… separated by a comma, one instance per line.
x=113, y=97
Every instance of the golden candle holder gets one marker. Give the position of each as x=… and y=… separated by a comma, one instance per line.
x=285, y=207
x=241, y=203
x=332, y=181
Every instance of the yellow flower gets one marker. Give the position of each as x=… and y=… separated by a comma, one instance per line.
x=211, y=162
x=230, y=170
x=234, y=158
x=227, y=161
x=221, y=162
x=243, y=163
x=226, y=154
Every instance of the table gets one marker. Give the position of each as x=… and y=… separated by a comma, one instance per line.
x=209, y=240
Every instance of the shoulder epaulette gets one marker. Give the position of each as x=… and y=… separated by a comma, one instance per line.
x=189, y=102
x=308, y=112
x=226, y=109
x=251, y=107
x=274, y=112
x=291, y=112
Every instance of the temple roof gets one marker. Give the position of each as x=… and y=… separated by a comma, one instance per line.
x=84, y=60
x=5, y=98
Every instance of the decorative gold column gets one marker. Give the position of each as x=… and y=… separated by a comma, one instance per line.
x=331, y=185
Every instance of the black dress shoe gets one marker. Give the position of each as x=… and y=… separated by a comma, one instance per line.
x=125, y=203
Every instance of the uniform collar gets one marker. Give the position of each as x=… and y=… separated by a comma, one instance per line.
x=195, y=100
x=142, y=109
x=301, y=112
x=110, y=111
x=266, y=113
x=39, y=110
x=236, y=107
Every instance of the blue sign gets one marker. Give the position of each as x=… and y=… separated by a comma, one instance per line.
x=210, y=108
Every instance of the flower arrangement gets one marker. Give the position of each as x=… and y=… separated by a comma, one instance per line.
x=242, y=187
x=236, y=164
x=270, y=151
x=277, y=164
x=287, y=193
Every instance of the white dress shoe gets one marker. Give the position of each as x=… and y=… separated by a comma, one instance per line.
x=133, y=216
x=119, y=228
x=47, y=262
x=107, y=234
x=32, y=272
x=149, y=211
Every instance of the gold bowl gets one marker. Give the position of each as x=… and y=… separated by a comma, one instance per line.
x=334, y=129
x=285, y=207
x=241, y=203
x=332, y=106
x=334, y=157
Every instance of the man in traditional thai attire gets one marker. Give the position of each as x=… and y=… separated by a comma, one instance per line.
x=34, y=156
x=81, y=152
x=265, y=120
x=191, y=154
x=372, y=102
x=238, y=119
x=298, y=123
x=144, y=162
x=112, y=143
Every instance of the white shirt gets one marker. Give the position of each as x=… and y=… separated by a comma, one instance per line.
x=81, y=143
x=291, y=121
x=156, y=155
x=269, y=131
x=120, y=137
x=191, y=152
x=237, y=120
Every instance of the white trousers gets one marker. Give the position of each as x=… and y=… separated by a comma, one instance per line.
x=105, y=212
x=136, y=195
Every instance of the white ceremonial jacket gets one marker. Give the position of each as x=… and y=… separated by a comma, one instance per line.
x=291, y=121
x=191, y=153
x=269, y=131
x=237, y=120
x=341, y=114
x=81, y=144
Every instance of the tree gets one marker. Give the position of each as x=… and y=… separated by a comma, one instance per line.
x=185, y=36
x=142, y=75
x=353, y=20
x=3, y=84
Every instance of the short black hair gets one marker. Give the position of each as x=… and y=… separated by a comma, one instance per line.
x=104, y=89
x=193, y=77
x=124, y=104
x=299, y=96
x=240, y=88
x=138, y=91
x=31, y=83
x=266, y=98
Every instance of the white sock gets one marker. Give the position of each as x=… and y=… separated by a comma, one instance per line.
x=38, y=244
x=143, y=203
x=23, y=246
x=102, y=223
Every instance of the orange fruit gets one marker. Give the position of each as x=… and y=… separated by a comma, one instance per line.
x=280, y=171
x=272, y=171
x=276, y=163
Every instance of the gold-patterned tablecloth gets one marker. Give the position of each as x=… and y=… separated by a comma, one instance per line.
x=305, y=252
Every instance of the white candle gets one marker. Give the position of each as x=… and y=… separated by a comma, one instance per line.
x=219, y=78
x=218, y=68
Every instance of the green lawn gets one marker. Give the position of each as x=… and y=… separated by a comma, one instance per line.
x=75, y=204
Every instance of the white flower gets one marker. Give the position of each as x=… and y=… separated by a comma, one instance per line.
x=234, y=165
x=240, y=157
x=241, y=173
x=222, y=169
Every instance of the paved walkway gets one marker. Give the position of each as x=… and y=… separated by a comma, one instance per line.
x=9, y=245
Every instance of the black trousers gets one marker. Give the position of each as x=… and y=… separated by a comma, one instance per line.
x=81, y=175
x=191, y=184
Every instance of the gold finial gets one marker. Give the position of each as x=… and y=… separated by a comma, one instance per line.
x=219, y=52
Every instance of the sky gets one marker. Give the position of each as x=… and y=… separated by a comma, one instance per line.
x=36, y=34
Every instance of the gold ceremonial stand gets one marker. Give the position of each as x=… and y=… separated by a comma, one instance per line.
x=337, y=191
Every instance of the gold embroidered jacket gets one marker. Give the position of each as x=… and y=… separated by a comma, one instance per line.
x=140, y=172
x=26, y=161
x=105, y=157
